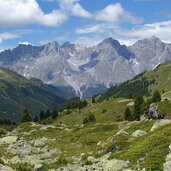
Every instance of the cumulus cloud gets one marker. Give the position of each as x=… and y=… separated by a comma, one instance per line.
x=95, y=33
x=115, y=13
x=27, y=12
x=159, y=29
x=74, y=8
x=22, y=12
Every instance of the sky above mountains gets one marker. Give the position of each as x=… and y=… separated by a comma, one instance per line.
x=82, y=21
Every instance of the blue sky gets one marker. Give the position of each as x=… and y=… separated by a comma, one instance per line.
x=82, y=21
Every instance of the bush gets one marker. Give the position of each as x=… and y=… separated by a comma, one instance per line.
x=104, y=111
x=89, y=118
x=23, y=167
x=85, y=120
x=156, y=96
x=2, y=132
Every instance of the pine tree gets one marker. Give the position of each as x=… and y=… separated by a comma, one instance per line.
x=42, y=115
x=128, y=114
x=48, y=114
x=138, y=102
x=156, y=96
x=93, y=100
x=36, y=119
x=25, y=117
x=54, y=114
x=84, y=103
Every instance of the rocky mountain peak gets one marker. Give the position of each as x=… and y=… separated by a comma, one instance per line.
x=86, y=70
x=110, y=41
x=52, y=44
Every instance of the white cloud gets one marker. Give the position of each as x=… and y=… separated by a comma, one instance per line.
x=74, y=8
x=89, y=41
x=95, y=33
x=7, y=36
x=159, y=29
x=115, y=13
x=14, y=34
x=90, y=29
x=25, y=43
x=25, y=12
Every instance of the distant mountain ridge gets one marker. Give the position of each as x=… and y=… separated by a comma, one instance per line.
x=86, y=70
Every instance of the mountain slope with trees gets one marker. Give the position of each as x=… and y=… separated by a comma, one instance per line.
x=17, y=92
x=143, y=84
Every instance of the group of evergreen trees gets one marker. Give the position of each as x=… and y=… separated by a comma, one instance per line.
x=129, y=89
x=25, y=115
x=6, y=121
x=73, y=103
x=141, y=106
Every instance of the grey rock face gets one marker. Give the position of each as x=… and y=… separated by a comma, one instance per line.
x=86, y=70
x=167, y=165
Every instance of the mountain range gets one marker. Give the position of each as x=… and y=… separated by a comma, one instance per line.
x=84, y=71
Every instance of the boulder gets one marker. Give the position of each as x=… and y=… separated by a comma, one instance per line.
x=32, y=160
x=40, y=142
x=138, y=133
x=167, y=165
x=121, y=132
x=92, y=159
x=45, y=127
x=22, y=147
x=115, y=165
x=154, y=113
x=5, y=168
x=160, y=123
x=8, y=140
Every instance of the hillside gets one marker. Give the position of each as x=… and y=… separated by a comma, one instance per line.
x=17, y=92
x=143, y=84
x=109, y=143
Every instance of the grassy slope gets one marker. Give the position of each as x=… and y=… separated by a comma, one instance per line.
x=17, y=92
x=152, y=147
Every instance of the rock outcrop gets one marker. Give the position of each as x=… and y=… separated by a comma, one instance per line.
x=99, y=164
x=8, y=140
x=138, y=133
x=160, y=123
x=167, y=165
